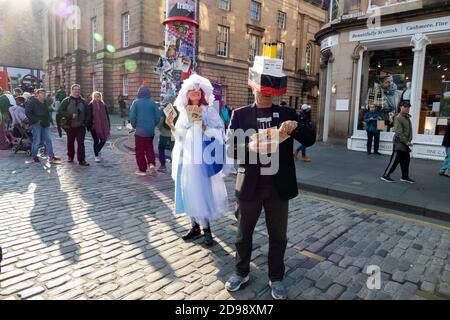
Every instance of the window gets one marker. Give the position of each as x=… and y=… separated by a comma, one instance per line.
x=223, y=41
x=93, y=32
x=280, y=50
x=125, y=85
x=126, y=30
x=387, y=3
x=385, y=84
x=250, y=96
x=281, y=20
x=308, y=67
x=334, y=9
x=225, y=5
x=255, y=11
x=255, y=47
x=435, y=103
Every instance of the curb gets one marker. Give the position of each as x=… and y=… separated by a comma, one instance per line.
x=407, y=208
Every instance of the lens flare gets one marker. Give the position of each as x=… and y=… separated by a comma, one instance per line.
x=110, y=48
x=98, y=37
x=130, y=65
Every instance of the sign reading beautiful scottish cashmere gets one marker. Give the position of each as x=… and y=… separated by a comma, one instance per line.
x=397, y=30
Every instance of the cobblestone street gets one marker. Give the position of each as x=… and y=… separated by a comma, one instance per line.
x=102, y=233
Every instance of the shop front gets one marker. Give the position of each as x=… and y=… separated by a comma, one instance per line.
x=407, y=61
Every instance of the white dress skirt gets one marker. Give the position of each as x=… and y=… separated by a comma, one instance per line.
x=198, y=194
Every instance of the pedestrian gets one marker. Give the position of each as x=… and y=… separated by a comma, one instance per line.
x=144, y=117
x=88, y=98
x=122, y=106
x=73, y=116
x=256, y=189
x=371, y=119
x=402, y=145
x=200, y=191
x=304, y=117
x=17, y=92
x=49, y=103
x=226, y=115
x=17, y=112
x=39, y=116
x=445, y=170
x=59, y=97
x=100, y=126
x=165, y=142
x=6, y=100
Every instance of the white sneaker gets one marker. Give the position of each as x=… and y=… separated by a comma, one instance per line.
x=140, y=173
x=97, y=159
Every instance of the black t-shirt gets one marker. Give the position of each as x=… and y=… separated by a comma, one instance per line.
x=264, y=119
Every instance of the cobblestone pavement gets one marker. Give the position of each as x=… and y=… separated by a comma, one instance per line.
x=101, y=233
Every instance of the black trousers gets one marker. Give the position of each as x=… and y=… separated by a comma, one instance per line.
x=98, y=143
x=276, y=212
x=399, y=157
x=371, y=136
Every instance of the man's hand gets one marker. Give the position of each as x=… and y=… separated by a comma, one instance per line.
x=409, y=144
x=255, y=147
x=288, y=127
x=169, y=121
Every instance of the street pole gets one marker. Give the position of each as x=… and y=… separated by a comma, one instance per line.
x=180, y=47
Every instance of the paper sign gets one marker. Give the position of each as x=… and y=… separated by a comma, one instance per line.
x=342, y=105
x=194, y=113
x=442, y=122
x=436, y=106
x=170, y=109
x=269, y=139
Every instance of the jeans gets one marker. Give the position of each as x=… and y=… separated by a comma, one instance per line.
x=370, y=137
x=399, y=157
x=302, y=148
x=248, y=213
x=164, y=144
x=446, y=166
x=77, y=134
x=41, y=134
x=98, y=143
x=145, y=154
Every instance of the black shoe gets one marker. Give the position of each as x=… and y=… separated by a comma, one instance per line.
x=84, y=164
x=70, y=160
x=377, y=153
x=407, y=180
x=208, y=239
x=369, y=153
x=192, y=234
x=387, y=179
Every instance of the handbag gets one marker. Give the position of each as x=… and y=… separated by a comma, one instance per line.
x=214, y=168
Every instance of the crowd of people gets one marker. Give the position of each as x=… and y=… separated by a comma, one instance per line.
x=200, y=191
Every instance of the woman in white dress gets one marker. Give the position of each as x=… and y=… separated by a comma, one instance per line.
x=200, y=191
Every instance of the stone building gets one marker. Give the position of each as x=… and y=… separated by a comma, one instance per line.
x=231, y=32
x=383, y=52
x=21, y=40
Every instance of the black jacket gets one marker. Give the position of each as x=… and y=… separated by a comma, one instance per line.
x=446, y=142
x=37, y=111
x=248, y=174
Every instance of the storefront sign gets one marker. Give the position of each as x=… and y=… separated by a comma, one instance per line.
x=329, y=42
x=182, y=8
x=397, y=30
x=353, y=15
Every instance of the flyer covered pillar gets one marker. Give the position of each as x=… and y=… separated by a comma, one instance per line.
x=180, y=45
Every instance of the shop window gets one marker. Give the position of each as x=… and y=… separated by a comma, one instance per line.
x=435, y=103
x=385, y=82
x=387, y=3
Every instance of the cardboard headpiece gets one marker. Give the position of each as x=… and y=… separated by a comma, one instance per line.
x=267, y=73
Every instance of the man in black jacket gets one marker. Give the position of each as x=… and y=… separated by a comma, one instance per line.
x=445, y=170
x=269, y=183
x=38, y=113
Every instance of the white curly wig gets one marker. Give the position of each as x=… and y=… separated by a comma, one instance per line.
x=195, y=82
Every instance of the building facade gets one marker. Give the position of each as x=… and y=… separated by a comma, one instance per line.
x=383, y=52
x=118, y=44
x=21, y=43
